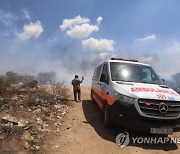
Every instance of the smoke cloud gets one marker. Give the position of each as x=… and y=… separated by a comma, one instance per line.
x=68, y=59
x=66, y=56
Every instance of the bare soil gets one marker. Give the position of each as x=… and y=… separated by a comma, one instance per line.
x=28, y=114
x=83, y=132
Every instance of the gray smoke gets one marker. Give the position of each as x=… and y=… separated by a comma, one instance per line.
x=41, y=77
x=67, y=58
x=174, y=82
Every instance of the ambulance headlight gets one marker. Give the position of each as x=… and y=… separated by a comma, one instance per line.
x=124, y=98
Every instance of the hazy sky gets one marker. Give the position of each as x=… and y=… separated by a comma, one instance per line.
x=72, y=36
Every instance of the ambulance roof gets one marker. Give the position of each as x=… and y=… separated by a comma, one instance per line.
x=126, y=61
x=121, y=60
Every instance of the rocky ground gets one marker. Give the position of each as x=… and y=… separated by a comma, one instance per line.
x=28, y=113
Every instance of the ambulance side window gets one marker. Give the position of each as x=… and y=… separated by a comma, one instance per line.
x=104, y=75
x=97, y=73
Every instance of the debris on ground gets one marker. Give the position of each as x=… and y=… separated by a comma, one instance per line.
x=27, y=113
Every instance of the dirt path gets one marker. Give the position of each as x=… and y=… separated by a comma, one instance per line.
x=83, y=132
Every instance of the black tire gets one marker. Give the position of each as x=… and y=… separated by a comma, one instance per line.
x=92, y=99
x=107, y=117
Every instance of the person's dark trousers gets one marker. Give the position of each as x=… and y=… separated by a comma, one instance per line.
x=77, y=92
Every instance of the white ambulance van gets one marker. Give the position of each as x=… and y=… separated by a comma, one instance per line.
x=132, y=95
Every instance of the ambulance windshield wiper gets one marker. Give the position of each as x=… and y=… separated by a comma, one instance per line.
x=126, y=81
x=149, y=82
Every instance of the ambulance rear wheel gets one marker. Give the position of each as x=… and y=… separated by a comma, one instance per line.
x=107, y=118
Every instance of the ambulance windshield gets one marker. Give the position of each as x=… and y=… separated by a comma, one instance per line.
x=130, y=72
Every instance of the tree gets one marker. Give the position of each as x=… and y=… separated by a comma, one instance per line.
x=46, y=77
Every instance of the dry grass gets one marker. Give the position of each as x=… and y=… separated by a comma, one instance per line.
x=4, y=86
x=38, y=106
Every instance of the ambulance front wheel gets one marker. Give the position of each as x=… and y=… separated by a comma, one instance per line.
x=107, y=118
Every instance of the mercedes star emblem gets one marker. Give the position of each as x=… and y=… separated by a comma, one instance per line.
x=163, y=108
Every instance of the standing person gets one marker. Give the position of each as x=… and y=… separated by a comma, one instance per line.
x=76, y=87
